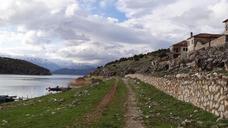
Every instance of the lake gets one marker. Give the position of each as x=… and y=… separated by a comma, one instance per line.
x=31, y=86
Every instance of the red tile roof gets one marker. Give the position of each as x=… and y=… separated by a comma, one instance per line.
x=206, y=35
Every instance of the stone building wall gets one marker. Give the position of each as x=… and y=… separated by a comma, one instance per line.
x=206, y=92
x=199, y=46
x=219, y=42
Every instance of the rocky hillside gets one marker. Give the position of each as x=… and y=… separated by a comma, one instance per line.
x=160, y=63
x=16, y=66
x=136, y=64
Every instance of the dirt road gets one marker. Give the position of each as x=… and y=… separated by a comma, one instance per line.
x=132, y=116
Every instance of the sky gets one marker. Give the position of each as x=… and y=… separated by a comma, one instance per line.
x=98, y=31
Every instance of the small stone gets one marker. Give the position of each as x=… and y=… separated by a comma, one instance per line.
x=220, y=118
x=199, y=122
x=147, y=116
x=4, y=121
x=195, y=111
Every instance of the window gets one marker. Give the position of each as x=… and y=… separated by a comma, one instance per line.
x=185, y=49
x=227, y=27
x=176, y=49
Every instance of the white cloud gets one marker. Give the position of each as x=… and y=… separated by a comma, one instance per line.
x=68, y=30
x=173, y=20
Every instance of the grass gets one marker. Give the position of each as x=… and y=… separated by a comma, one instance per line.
x=66, y=109
x=163, y=111
x=113, y=114
x=55, y=110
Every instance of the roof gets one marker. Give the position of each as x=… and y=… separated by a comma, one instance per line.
x=180, y=44
x=206, y=35
x=225, y=21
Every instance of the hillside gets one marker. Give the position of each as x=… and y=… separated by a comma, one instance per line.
x=160, y=63
x=16, y=66
x=73, y=71
x=137, y=64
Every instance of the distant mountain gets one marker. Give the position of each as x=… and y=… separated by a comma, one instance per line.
x=74, y=71
x=22, y=67
x=49, y=64
x=55, y=64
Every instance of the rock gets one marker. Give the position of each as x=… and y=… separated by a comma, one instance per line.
x=185, y=122
x=195, y=111
x=4, y=121
x=158, y=114
x=182, y=75
x=219, y=119
x=199, y=122
x=147, y=116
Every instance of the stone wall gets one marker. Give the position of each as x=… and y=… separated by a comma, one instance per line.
x=219, y=42
x=206, y=92
x=200, y=45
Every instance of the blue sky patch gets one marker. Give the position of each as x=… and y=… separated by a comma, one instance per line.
x=107, y=10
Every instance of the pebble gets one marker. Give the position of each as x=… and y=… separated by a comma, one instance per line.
x=4, y=122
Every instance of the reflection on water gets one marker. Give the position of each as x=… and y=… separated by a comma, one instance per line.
x=31, y=86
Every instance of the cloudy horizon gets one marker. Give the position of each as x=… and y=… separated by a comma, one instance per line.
x=94, y=32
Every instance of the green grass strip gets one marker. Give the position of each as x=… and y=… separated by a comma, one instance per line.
x=53, y=111
x=163, y=111
x=113, y=114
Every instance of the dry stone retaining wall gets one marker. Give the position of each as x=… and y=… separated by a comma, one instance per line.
x=210, y=94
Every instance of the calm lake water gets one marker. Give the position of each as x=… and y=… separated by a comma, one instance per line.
x=31, y=86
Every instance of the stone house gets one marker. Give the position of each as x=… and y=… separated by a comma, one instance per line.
x=222, y=41
x=226, y=26
x=200, y=41
x=179, y=49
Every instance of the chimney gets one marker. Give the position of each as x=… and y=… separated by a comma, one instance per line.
x=191, y=34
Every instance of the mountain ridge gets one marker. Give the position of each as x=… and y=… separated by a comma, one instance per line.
x=21, y=67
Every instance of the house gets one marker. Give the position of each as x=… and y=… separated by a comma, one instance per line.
x=223, y=40
x=200, y=41
x=179, y=49
x=226, y=26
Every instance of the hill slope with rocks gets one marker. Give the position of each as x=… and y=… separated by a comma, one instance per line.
x=160, y=63
x=137, y=64
x=16, y=66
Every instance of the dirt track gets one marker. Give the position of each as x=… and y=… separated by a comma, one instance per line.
x=97, y=113
x=132, y=116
